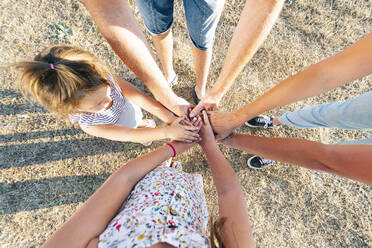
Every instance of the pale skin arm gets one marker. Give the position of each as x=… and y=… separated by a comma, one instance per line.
x=350, y=161
x=177, y=131
x=118, y=25
x=258, y=17
x=91, y=219
x=146, y=102
x=352, y=63
x=236, y=231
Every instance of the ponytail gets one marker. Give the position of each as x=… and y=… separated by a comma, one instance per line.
x=60, y=76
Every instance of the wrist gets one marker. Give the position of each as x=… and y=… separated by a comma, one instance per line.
x=173, y=148
x=166, y=132
x=246, y=113
x=180, y=147
x=207, y=143
x=229, y=140
x=215, y=96
x=211, y=145
x=239, y=118
x=170, y=118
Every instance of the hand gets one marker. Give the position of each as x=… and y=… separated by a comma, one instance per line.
x=183, y=130
x=208, y=102
x=206, y=131
x=195, y=121
x=223, y=123
x=228, y=140
x=181, y=106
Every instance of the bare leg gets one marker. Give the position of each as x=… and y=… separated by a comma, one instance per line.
x=164, y=47
x=202, y=62
x=258, y=16
x=255, y=23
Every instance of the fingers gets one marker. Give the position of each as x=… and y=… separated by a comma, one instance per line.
x=211, y=107
x=198, y=122
x=178, y=120
x=187, y=121
x=197, y=109
x=190, y=137
x=205, y=118
x=190, y=127
x=191, y=134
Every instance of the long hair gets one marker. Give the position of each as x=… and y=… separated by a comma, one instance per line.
x=60, y=76
x=215, y=232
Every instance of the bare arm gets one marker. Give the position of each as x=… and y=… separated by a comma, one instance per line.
x=351, y=161
x=346, y=66
x=255, y=23
x=91, y=219
x=236, y=230
x=146, y=102
x=352, y=63
x=176, y=131
x=118, y=25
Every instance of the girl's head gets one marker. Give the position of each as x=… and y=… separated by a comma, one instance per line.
x=65, y=79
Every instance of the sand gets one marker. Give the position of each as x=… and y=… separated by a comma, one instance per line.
x=49, y=167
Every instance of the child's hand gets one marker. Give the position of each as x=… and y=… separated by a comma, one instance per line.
x=195, y=121
x=183, y=130
x=206, y=131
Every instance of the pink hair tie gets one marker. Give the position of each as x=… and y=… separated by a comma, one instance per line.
x=171, y=146
x=52, y=66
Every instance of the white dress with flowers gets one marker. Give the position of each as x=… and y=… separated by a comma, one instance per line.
x=167, y=205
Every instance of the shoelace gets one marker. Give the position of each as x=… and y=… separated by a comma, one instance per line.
x=267, y=161
x=264, y=120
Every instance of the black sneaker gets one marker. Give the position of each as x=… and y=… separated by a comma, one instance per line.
x=257, y=162
x=261, y=121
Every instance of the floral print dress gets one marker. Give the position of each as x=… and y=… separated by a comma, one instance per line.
x=167, y=205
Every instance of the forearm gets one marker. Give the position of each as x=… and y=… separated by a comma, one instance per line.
x=146, y=102
x=92, y=218
x=154, y=107
x=224, y=176
x=126, y=134
x=305, y=153
x=255, y=23
x=118, y=25
x=302, y=85
x=143, y=135
x=157, y=109
x=346, y=66
x=351, y=161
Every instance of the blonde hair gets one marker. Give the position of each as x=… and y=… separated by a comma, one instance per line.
x=60, y=76
x=215, y=232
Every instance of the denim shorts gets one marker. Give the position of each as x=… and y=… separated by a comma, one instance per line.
x=202, y=17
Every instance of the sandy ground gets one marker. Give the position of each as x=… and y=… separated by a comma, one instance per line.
x=48, y=168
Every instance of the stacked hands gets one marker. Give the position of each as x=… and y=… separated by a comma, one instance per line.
x=187, y=128
x=202, y=127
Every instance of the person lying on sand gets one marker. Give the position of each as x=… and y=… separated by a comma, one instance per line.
x=146, y=205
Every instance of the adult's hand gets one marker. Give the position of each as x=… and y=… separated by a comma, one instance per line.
x=208, y=102
x=224, y=123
